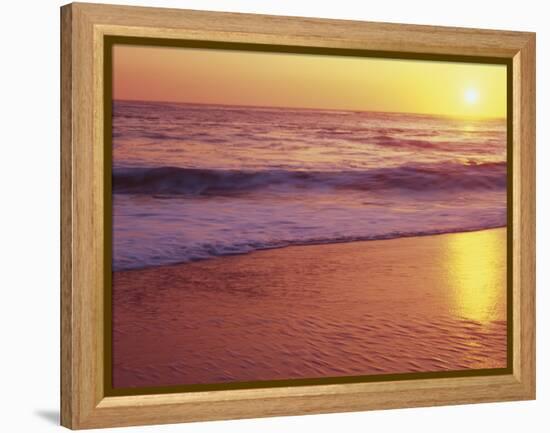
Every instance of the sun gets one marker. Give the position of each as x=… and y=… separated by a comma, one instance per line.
x=471, y=96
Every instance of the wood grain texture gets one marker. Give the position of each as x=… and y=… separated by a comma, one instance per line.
x=67, y=389
x=83, y=404
x=524, y=215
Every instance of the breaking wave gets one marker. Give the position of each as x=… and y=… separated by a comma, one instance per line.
x=192, y=181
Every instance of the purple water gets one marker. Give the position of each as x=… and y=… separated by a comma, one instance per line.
x=194, y=182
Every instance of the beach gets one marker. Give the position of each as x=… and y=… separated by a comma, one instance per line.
x=410, y=304
x=273, y=243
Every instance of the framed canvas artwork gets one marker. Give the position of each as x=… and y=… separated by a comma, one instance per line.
x=268, y=215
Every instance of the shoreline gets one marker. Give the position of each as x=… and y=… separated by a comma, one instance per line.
x=417, y=304
x=313, y=243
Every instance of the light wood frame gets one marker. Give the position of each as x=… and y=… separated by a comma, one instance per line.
x=83, y=402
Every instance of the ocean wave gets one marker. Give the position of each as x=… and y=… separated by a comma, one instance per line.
x=193, y=181
x=210, y=250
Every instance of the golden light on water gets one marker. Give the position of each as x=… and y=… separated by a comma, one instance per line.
x=476, y=278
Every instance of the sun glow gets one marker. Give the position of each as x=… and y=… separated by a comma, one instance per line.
x=471, y=96
x=213, y=76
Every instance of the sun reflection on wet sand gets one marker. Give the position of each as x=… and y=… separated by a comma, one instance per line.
x=417, y=304
x=475, y=275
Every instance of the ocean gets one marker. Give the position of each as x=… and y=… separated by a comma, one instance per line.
x=195, y=182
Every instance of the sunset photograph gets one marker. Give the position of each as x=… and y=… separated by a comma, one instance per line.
x=280, y=216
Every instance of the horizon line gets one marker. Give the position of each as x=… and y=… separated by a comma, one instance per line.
x=453, y=116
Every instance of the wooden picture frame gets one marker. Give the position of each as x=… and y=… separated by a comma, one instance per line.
x=84, y=27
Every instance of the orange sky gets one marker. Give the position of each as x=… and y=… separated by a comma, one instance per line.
x=311, y=81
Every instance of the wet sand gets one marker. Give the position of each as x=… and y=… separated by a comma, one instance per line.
x=433, y=303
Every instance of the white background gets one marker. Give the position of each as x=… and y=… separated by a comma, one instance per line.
x=29, y=238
